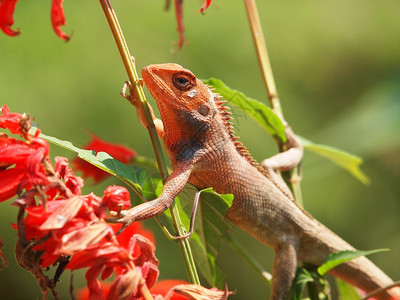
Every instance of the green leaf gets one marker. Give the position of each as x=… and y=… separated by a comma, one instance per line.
x=337, y=258
x=347, y=161
x=132, y=175
x=300, y=281
x=210, y=226
x=258, y=111
x=346, y=291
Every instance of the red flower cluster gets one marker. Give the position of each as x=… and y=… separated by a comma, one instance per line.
x=117, y=151
x=7, y=8
x=61, y=223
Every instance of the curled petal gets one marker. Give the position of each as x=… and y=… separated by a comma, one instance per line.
x=198, y=292
x=206, y=4
x=95, y=290
x=143, y=250
x=58, y=19
x=125, y=285
x=7, y=8
x=150, y=273
x=164, y=286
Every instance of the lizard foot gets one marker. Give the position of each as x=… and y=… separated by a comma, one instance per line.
x=131, y=96
x=122, y=217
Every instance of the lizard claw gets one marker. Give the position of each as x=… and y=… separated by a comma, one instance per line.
x=131, y=96
x=122, y=217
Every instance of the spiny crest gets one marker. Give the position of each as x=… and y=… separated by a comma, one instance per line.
x=225, y=113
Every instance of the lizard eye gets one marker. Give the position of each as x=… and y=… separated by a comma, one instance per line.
x=182, y=81
x=203, y=110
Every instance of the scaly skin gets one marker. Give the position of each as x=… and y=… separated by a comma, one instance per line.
x=203, y=151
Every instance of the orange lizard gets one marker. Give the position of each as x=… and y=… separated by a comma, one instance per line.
x=197, y=136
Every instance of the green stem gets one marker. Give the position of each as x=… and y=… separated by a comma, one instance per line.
x=268, y=77
x=266, y=276
x=138, y=93
x=262, y=54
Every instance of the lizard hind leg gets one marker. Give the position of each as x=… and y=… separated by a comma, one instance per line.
x=288, y=159
x=284, y=270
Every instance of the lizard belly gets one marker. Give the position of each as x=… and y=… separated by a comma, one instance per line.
x=259, y=206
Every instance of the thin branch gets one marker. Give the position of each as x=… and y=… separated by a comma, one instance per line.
x=138, y=93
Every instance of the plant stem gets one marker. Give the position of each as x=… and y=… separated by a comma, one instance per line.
x=262, y=54
x=138, y=93
x=268, y=77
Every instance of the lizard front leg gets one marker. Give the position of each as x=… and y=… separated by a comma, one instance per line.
x=172, y=187
x=140, y=110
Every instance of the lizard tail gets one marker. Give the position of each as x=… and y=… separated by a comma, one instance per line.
x=362, y=273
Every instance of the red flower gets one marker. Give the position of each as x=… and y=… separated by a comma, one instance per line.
x=26, y=159
x=119, y=152
x=8, y=120
x=7, y=8
x=74, y=183
x=117, y=198
x=206, y=4
x=58, y=19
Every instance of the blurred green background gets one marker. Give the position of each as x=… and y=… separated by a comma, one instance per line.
x=337, y=69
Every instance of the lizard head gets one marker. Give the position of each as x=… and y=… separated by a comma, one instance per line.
x=187, y=106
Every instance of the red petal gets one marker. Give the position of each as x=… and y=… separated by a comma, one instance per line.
x=7, y=8
x=80, y=239
x=97, y=255
x=13, y=151
x=9, y=182
x=124, y=238
x=83, y=294
x=206, y=4
x=63, y=212
x=58, y=19
x=117, y=151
